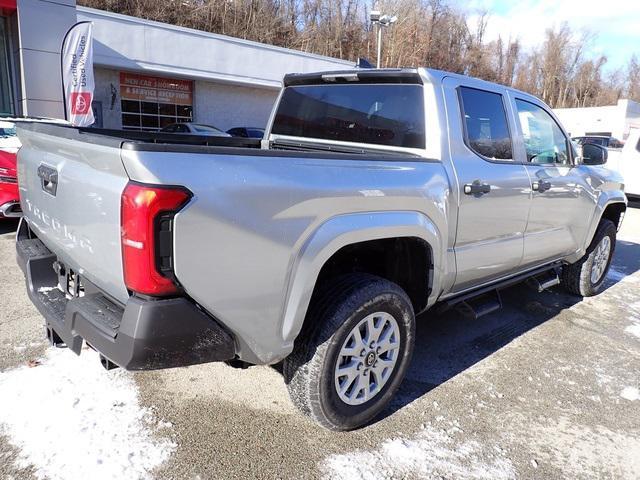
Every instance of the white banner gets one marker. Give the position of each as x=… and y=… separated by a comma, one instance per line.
x=77, y=74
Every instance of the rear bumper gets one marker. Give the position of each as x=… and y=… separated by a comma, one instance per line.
x=144, y=334
x=11, y=209
x=9, y=200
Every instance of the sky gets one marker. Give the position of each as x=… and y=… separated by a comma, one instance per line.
x=616, y=23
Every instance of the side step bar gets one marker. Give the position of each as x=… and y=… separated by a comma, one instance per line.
x=481, y=305
x=544, y=281
x=486, y=300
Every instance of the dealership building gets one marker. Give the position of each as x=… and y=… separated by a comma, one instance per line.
x=147, y=74
x=611, y=120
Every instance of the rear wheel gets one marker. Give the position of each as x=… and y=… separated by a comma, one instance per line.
x=586, y=276
x=350, y=360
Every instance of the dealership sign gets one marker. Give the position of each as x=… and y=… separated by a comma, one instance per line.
x=147, y=88
x=77, y=74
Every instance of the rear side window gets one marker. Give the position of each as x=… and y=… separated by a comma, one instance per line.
x=386, y=114
x=485, y=120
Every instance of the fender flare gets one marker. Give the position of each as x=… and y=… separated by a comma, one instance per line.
x=605, y=199
x=340, y=231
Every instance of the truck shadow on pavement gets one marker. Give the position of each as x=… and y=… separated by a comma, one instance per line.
x=8, y=225
x=450, y=343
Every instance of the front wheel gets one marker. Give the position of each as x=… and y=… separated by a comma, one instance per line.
x=586, y=276
x=354, y=353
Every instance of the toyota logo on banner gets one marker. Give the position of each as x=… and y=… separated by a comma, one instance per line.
x=77, y=74
x=80, y=103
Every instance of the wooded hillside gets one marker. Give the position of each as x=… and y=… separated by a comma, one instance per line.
x=430, y=33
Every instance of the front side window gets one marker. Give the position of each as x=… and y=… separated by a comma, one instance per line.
x=381, y=114
x=543, y=140
x=485, y=121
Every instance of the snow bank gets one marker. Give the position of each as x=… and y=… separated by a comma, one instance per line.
x=433, y=453
x=70, y=419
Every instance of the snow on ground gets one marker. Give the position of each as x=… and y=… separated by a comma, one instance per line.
x=70, y=419
x=432, y=453
x=630, y=393
x=634, y=329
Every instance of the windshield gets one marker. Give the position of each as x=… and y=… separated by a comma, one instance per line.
x=7, y=131
x=381, y=114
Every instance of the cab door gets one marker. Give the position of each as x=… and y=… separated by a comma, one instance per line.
x=493, y=189
x=563, y=199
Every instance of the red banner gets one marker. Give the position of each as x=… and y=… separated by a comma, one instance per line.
x=147, y=88
x=7, y=6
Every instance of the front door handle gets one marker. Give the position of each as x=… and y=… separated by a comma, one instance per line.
x=540, y=186
x=476, y=188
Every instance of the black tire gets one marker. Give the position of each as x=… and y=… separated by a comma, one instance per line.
x=333, y=314
x=576, y=278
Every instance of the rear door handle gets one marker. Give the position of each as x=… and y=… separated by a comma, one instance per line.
x=476, y=188
x=540, y=186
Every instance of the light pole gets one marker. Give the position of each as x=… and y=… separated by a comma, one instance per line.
x=381, y=21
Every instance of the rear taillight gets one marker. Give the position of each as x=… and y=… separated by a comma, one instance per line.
x=147, y=236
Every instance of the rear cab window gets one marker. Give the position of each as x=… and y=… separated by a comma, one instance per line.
x=378, y=114
x=486, y=128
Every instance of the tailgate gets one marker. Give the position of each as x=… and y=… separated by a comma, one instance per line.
x=70, y=186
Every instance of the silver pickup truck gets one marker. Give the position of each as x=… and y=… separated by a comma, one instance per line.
x=374, y=196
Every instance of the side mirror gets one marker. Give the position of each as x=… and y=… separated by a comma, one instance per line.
x=594, y=154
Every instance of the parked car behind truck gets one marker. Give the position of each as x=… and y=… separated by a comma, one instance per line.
x=627, y=162
x=602, y=140
x=9, y=146
x=376, y=195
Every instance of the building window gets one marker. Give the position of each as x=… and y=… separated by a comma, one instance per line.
x=6, y=100
x=151, y=103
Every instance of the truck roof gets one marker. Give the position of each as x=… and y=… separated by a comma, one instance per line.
x=387, y=75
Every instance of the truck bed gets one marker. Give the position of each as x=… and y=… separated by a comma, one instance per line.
x=168, y=138
x=253, y=215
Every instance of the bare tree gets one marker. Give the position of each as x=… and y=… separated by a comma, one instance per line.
x=431, y=33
